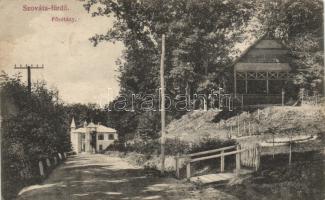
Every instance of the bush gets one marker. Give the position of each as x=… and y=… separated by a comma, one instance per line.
x=34, y=125
x=172, y=147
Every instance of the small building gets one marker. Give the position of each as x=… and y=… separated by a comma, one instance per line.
x=262, y=73
x=91, y=138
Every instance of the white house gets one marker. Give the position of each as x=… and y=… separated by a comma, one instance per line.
x=91, y=137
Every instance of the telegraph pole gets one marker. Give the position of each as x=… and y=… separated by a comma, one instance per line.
x=29, y=67
x=162, y=86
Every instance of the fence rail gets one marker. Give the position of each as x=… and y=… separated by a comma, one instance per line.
x=207, y=152
x=249, y=157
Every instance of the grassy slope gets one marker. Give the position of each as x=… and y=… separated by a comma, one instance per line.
x=198, y=124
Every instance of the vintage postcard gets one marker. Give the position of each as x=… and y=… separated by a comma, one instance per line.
x=162, y=99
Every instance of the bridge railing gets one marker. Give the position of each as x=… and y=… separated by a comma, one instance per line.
x=220, y=154
x=251, y=158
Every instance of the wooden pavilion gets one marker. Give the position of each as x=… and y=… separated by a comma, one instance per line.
x=262, y=73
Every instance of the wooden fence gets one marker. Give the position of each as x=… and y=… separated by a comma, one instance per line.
x=251, y=157
x=45, y=166
x=40, y=168
x=248, y=157
x=243, y=129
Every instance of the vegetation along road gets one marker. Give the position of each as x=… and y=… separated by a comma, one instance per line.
x=100, y=176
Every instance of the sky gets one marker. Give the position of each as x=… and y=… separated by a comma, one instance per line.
x=81, y=72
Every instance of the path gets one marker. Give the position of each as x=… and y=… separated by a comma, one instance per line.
x=94, y=177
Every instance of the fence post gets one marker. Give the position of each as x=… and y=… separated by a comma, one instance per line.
x=222, y=162
x=55, y=160
x=242, y=101
x=282, y=97
x=60, y=156
x=41, y=168
x=290, y=153
x=177, y=165
x=244, y=128
x=237, y=159
x=230, y=131
x=258, y=157
x=48, y=163
x=188, y=170
x=249, y=129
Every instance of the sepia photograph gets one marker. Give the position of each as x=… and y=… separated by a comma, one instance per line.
x=162, y=100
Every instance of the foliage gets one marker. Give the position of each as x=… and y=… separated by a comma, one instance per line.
x=199, y=39
x=86, y=113
x=298, y=23
x=172, y=147
x=34, y=125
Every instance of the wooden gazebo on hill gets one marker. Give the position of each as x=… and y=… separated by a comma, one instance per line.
x=262, y=73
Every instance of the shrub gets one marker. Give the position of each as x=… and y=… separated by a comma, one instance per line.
x=172, y=146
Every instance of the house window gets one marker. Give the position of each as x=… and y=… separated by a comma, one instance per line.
x=100, y=147
x=101, y=137
x=111, y=136
x=83, y=136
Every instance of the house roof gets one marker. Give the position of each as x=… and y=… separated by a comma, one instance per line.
x=80, y=130
x=99, y=129
x=243, y=53
x=91, y=125
x=104, y=129
x=73, y=124
x=260, y=45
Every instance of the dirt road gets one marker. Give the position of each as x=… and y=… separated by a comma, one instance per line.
x=92, y=177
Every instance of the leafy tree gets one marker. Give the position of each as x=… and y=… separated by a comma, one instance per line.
x=86, y=113
x=34, y=125
x=299, y=24
x=200, y=35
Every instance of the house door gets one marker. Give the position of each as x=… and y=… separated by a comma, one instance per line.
x=93, y=141
x=83, y=142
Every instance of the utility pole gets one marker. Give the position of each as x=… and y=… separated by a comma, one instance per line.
x=162, y=86
x=29, y=67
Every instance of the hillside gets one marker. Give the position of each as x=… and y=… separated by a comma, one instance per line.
x=281, y=120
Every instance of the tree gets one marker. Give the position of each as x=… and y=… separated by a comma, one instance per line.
x=34, y=126
x=299, y=24
x=200, y=37
x=86, y=113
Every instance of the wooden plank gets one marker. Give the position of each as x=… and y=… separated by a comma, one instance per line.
x=238, y=159
x=208, y=152
x=258, y=158
x=212, y=178
x=263, y=67
x=188, y=170
x=222, y=162
x=217, y=156
x=177, y=165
